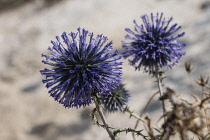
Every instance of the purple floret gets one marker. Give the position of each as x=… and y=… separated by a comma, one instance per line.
x=81, y=66
x=153, y=44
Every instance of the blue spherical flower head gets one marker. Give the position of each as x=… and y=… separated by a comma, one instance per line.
x=116, y=100
x=81, y=66
x=154, y=43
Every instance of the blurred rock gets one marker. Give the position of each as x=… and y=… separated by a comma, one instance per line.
x=30, y=88
x=205, y=5
x=6, y=5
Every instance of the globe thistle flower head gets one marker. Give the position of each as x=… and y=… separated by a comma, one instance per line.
x=81, y=66
x=154, y=43
x=116, y=100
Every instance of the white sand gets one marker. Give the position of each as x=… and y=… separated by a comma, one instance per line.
x=26, y=110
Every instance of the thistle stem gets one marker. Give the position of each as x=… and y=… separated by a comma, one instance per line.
x=160, y=90
x=101, y=114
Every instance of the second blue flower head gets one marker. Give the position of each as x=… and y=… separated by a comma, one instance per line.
x=154, y=43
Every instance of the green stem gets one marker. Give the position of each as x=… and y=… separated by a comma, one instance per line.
x=100, y=112
x=160, y=90
x=131, y=130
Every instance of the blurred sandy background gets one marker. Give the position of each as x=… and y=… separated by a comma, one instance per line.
x=26, y=29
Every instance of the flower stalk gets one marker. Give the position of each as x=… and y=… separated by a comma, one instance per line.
x=103, y=119
x=160, y=90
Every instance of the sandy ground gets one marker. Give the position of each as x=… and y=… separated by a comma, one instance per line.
x=27, y=111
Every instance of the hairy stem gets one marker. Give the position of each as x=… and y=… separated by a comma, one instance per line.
x=160, y=90
x=100, y=112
